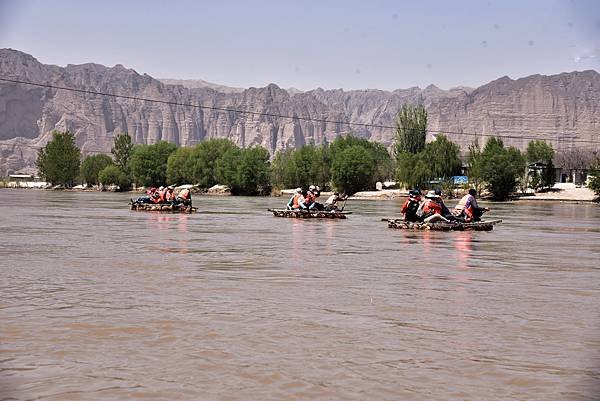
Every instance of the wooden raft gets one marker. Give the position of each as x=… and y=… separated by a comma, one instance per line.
x=150, y=207
x=442, y=226
x=309, y=214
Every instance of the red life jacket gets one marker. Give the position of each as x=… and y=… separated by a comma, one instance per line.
x=469, y=213
x=431, y=207
x=155, y=197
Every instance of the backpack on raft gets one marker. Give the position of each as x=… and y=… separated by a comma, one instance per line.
x=412, y=211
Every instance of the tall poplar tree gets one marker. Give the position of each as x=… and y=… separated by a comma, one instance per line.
x=58, y=162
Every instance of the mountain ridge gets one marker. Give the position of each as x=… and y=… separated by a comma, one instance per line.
x=563, y=107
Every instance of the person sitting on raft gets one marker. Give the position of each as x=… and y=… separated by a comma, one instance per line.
x=445, y=211
x=311, y=199
x=467, y=208
x=169, y=194
x=432, y=208
x=146, y=199
x=296, y=202
x=331, y=204
x=411, y=206
x=184, y=197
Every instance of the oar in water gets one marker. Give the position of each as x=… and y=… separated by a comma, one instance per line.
x=343, y=205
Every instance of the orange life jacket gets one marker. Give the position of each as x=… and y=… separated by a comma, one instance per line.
x=310, y=198
x=184, y=194
x=170, y=195
x=296, y=201
x=432, y=207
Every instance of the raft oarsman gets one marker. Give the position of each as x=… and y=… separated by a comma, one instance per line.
x=296, y=202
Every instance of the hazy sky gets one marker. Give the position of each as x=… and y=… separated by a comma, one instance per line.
x=307, y=44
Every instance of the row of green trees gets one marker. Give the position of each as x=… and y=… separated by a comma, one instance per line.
x=59, y=162
x=245, y=171
x=218, y=161
x=498, y=168
x=347, y=164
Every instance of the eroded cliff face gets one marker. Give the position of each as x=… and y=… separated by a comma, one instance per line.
x=563, y=107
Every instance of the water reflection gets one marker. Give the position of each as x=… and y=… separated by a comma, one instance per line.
x=463, y=243
x=98, y=302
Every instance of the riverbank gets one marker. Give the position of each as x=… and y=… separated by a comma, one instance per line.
x=564, y=193
x=559, y=193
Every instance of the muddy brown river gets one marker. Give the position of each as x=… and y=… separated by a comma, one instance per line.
x=101, y=303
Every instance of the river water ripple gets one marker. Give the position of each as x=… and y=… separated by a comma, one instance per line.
x=101, y=303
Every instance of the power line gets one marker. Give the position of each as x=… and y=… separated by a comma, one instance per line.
x=303, y=118
x=172, y=103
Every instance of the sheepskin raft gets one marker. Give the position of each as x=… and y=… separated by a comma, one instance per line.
x=162, y=208
x=442, y=226
x=309, y=214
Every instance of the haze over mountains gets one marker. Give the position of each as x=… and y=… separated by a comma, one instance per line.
x=563, y=107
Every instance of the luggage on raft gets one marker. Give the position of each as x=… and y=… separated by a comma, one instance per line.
x=442, y=226
x=162, y=207
x=309, y=214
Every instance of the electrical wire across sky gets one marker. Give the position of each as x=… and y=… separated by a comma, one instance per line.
x=303, y=118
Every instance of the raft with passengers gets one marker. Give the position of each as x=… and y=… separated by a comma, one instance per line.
x=432, y=214
x=164, y=200
x=304, y=205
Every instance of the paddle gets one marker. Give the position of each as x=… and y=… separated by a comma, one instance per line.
x=343, y=205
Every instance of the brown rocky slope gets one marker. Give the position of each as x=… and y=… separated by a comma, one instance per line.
x=562, y=107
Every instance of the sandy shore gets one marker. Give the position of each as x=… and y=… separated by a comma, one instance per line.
x=383, y=194
x=563, y=192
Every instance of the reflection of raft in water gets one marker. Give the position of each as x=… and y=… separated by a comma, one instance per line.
x=442, y=226
x=309, y=214
x=162, y=208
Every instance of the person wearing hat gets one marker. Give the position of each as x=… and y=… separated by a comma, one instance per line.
x=310, y=198
x=157, y=195
x=169, y=194
x=296, y=202
x=316, y=191
x=467, y=208
x=331, y=203
x=432, y=209
x=445, y=211
x=411, y=206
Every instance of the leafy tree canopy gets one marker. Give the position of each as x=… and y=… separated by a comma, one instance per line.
x=149, y=163
x=353, y=169
x=113, y=175
x=203, y=159
x=123, y=146
x=92, y=165
x=501, y=168
x=539, y=151
x=177, y=166
x=58, y=162
x=411, y=129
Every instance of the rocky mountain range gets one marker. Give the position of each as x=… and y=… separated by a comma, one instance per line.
x=564, y=108
x=200, y=83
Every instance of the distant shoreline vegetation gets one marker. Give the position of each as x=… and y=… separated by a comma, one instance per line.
x=349, y=164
